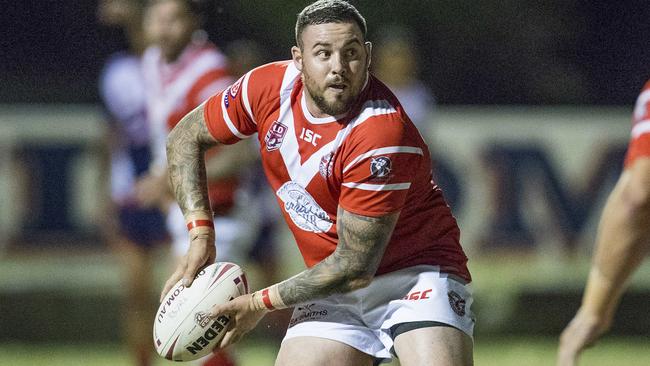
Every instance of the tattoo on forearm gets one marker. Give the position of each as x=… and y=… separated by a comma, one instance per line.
x=362, y=241
x=186, y=146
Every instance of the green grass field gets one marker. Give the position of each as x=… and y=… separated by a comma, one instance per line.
x=497, y=281
x=488, y=352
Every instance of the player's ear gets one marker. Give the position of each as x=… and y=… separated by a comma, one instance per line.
x=368, y=46
x=296, y=54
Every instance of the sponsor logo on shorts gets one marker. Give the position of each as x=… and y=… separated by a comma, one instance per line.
x=308, y=312
x=275, y=136
x=457, y=303
x=380, y=167
x=303, y=209
x=418, y=295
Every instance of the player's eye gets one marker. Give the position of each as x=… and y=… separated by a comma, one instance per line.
x=322, y=54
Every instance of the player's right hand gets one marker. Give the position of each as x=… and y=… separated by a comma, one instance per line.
x=202, y=252
x=582, y=332
x=243, y=314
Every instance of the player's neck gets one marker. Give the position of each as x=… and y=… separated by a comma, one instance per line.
x=312, y=108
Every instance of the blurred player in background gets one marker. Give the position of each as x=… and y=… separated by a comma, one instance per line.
x=181, y=69
x=622, y=242
x=386, y=273
x=137, y=230
x=396, y=64
x=244, y=55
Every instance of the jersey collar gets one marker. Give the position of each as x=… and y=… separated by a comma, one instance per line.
x=322, y=120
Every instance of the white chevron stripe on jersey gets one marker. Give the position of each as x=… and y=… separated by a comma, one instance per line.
x=384, y=150
x=289, y=80
x=304, y=173
x=379, y=187
x=640, y=128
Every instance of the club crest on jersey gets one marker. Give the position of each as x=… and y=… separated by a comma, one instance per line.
x=303, y=209
x=325, y=167
x=380, y=167
x=275, y=136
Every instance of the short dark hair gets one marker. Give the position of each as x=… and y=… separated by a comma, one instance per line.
x=328, y=11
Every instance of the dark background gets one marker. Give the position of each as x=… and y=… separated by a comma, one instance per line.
x=471, y=52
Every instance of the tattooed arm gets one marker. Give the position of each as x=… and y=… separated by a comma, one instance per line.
x=186, y=146
x=362, y=241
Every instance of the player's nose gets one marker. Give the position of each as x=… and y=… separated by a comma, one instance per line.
x=338, y=65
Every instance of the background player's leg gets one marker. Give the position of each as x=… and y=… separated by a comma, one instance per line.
x=312, y=351
x=439, y=346
x=139, y=301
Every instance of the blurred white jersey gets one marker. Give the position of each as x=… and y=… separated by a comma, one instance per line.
x=175, y=89
x=121, y=87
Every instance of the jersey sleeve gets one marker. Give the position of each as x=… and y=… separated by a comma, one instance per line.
x=227, y=116
x=237, y=112
x=379, y=172
x=640, y=137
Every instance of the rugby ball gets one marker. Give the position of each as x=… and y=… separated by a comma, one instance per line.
x=182, y=330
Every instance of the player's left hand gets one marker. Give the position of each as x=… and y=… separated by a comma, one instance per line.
x=243, y=318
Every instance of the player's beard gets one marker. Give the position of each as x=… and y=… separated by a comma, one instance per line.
x=341, y=104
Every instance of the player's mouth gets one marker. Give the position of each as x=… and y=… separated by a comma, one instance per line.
x=337, y=87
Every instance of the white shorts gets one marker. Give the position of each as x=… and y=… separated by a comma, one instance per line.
x=366, y=318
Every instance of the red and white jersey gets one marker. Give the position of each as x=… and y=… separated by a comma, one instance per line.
x=640, y=139
x=175, y=89
x=371, y=162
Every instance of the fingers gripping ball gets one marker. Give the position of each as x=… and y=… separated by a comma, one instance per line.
x=182, y=330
